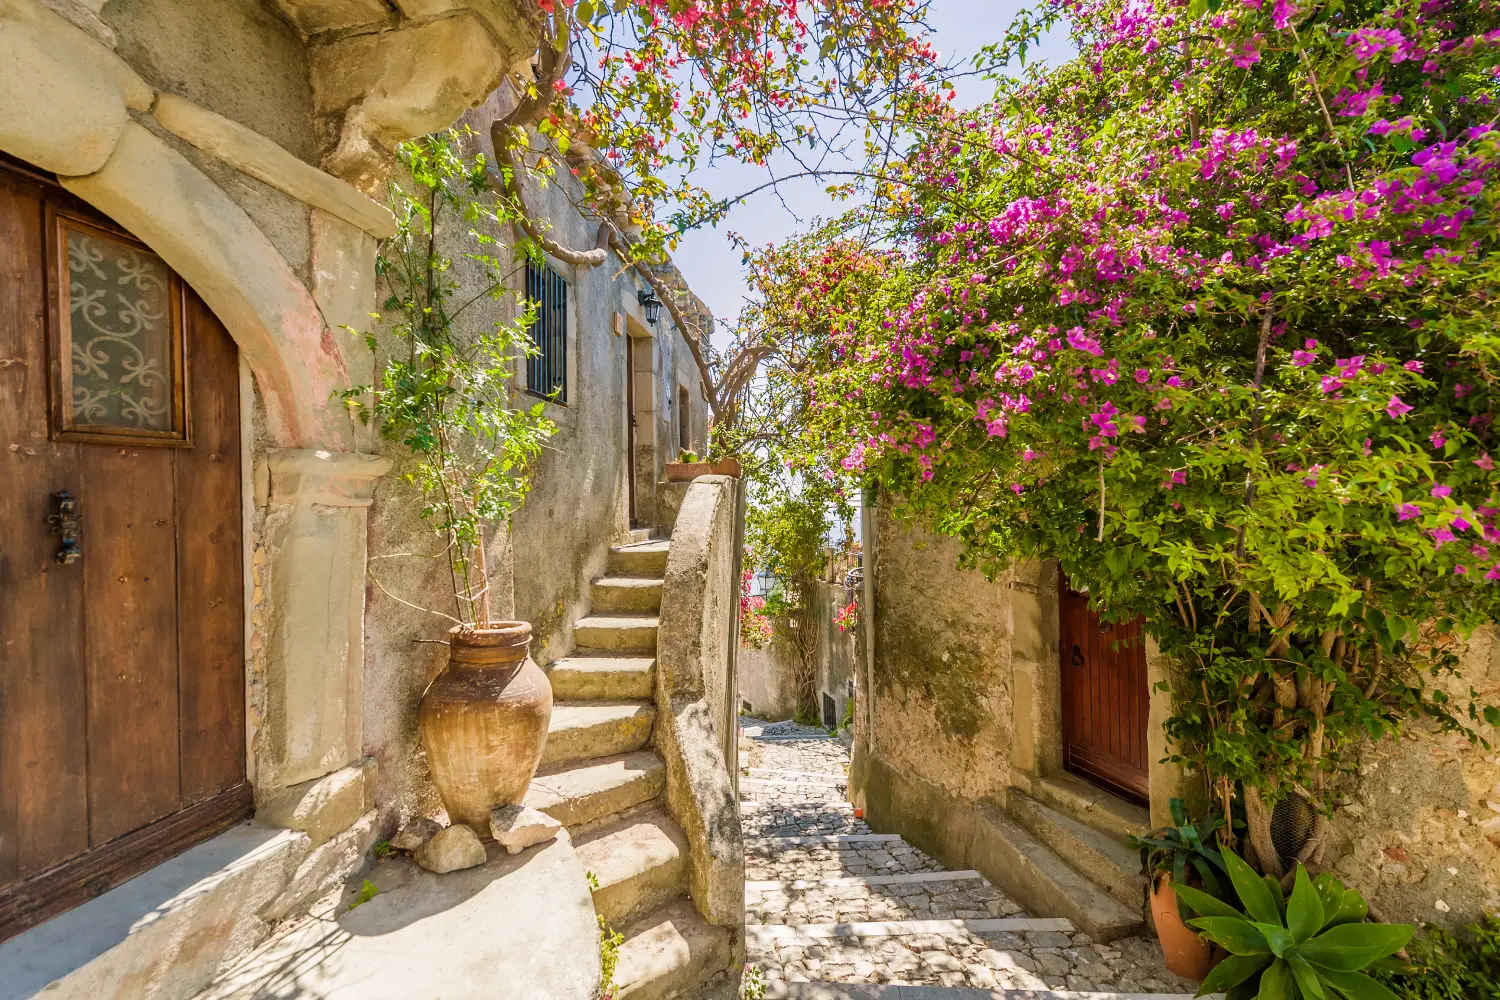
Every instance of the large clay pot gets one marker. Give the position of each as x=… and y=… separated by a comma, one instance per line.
x=1183, y=951
x=484, y=721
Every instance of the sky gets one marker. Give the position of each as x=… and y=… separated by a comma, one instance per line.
x=711, y=263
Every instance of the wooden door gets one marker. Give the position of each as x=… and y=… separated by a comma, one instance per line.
x=1105, y=697
x=122, y=716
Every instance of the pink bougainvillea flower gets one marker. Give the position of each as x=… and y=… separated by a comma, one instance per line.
x=1459, y=524
x=1330, y=384
x=1303, y=358
x=1441, y=490
x=1440, y=537
x=1413, y=366
x=1407, y=511
x=1396, y=407
x=1485, y=462
x=1436, y=439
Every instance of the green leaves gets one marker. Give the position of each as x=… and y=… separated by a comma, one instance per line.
x=1308, y=953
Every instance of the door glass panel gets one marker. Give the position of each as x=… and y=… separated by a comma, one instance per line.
x=121, y=336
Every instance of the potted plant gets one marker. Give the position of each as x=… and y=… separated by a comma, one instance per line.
x=1176, y=856
x=445, y=395
x=689, y=467
x=1315, y=944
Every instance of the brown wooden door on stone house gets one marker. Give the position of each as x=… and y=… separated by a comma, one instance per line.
x=122, y=718
x=1105, y=698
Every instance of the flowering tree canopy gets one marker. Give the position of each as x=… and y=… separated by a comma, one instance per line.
x=1208, y=315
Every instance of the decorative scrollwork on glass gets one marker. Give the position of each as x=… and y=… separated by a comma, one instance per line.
x=120, y=334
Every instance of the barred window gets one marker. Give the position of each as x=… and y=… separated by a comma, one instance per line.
x=547, y=371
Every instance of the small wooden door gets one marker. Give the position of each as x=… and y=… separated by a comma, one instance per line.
x=122, y=715
x=1105, y=698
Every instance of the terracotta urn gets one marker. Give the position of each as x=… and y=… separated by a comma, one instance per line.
x=484, y=721
x=1183, y=951
x=686, y=472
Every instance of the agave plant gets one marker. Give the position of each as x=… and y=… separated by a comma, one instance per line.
x=1174, y=848
x=1312, y=946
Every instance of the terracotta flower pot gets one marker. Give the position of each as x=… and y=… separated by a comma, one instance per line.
x=484, y=721
x=1184, y=952
x=686, y=472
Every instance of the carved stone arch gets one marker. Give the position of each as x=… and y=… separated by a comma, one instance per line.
x=178, y=211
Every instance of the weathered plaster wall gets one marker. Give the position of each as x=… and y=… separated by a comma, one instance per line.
x=767, y=680
x=1419, y=834
x=558, y=540
x=836, y=649
x=943, y=686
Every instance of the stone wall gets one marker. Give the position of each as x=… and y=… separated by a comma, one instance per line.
x=558, y=540
x=1419, y=833
x=942, y=703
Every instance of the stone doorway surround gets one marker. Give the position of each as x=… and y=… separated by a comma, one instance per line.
x=72, y=106
x=1037, y=675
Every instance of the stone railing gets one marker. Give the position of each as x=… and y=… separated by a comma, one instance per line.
x=696, y=725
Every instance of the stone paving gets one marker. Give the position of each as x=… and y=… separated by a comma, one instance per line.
x=827, y=900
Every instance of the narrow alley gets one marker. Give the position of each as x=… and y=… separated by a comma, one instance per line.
x=832, y=907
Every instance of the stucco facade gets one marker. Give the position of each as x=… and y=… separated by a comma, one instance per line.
x=958, y=720
x=248, y=144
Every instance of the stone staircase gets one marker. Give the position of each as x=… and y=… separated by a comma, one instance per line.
x=600, y=778
x=835, y=911
x=1068, y=855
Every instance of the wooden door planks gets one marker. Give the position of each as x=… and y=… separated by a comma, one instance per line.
x=209, y=535
x=43, y=755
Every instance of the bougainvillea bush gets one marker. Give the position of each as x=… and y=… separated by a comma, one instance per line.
x=1208, y=315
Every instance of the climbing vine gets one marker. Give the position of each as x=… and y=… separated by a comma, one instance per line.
x=1207, y=315
x=444, y=391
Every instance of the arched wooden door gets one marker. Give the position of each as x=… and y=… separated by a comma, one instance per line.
x=122, y=705
x=1106, y=699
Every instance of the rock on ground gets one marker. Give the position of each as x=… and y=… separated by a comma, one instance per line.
x=451, y=850
x=517, y=827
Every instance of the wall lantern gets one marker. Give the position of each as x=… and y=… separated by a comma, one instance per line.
x=651, y=304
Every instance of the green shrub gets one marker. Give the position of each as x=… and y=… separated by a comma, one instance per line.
x=1314, y=945
x=1444, y=966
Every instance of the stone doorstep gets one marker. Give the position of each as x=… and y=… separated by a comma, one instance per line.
x=762, y=773
x=777, y=989
x=775, y=783
x=904, y=878
x=804, y=934
x=789, y=738
x=822, y=838
x=180, y=919
x=751, y=805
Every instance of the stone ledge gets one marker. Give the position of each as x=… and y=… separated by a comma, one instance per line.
x=163, y=934
x=778, y=990
x=323, y=807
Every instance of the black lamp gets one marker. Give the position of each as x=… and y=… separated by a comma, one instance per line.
x=651, y=304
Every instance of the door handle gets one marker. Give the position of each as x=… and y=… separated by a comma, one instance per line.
x=1077, y=660
x=64, y=523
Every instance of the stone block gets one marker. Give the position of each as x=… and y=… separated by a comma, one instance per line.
x=323, y=807
x=324, y=867
x=451, y=850
x=66, y=93
x=415, y=832
x=517, y=827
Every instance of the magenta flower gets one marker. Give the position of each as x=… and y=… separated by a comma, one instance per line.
x=1441, y=491
x=1407, y=511
x=1436, y=439
x=1459, y=524
x=1413, y=366
x=1330, y=384
x=1303, y=358
x=1142, y=376
x=1396, y=407
x=1440, y=537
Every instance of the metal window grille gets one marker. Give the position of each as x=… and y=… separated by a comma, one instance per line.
x=547, y=371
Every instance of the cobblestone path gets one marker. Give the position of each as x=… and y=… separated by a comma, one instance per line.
x=828, y=901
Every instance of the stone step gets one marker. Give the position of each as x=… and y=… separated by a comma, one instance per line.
x=583, y=729
x=639, y=862
x=585, y=677
x=878, y=898
x=616, y=633
x=625, y=593
x=1092, y=805
x=762, y=935
x=639, y=559
x=777, y=989
x=1107, y=861
x=579, y=794
x=1032, y=874
x=668, y=952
